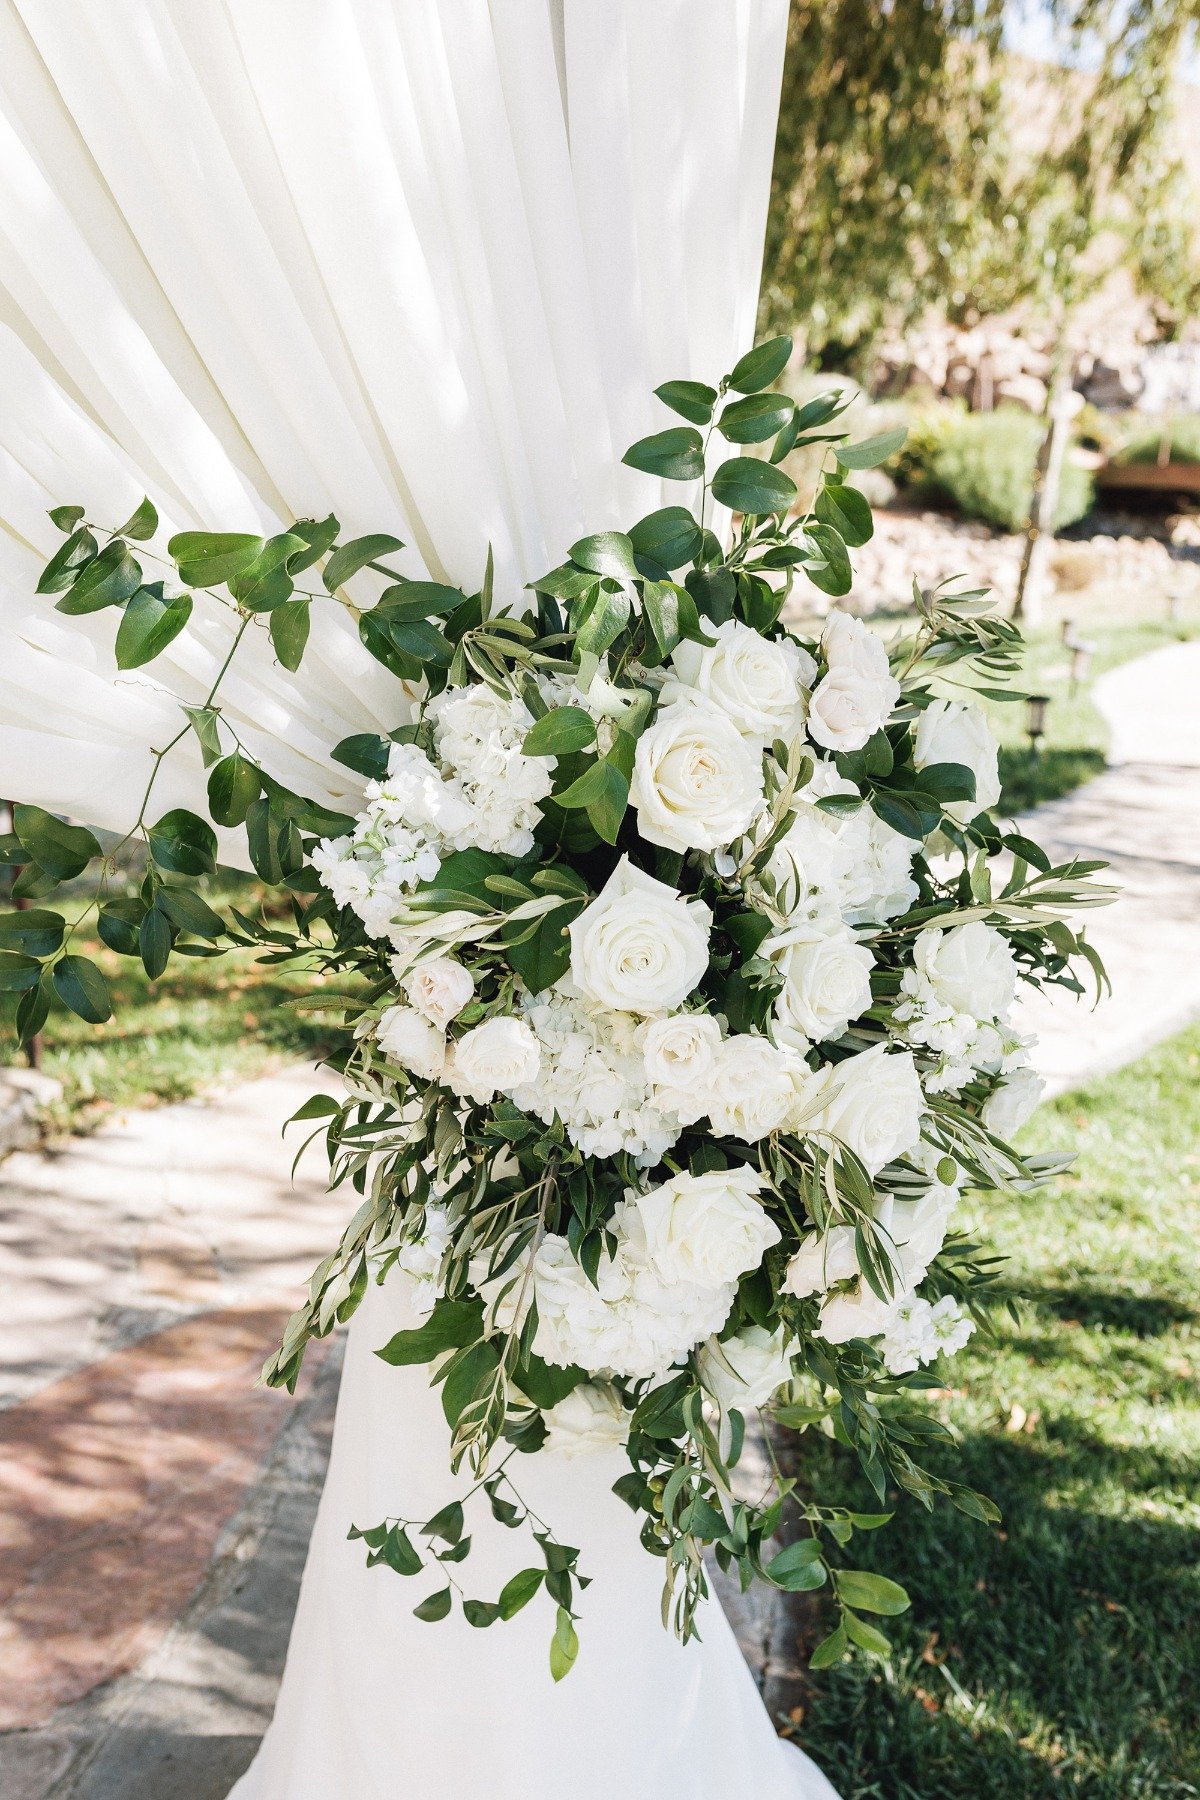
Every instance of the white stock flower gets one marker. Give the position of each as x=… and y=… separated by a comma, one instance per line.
x=707, y=1229
x=500, y=1054
x=1014, y=1103
x=640, y=946
x=821, y=1260
x=412, y=1041
x=872, y=1103
x=855, y=698
x=680, y=1056
x=826, y=982
x=697, y=783
x=422, y=1259
x=948, y=732
x=918, y=1333
x=754, y=1087
x=590, y=1418
x=745, y=1371
x=970, y=969
x=439, y=989
x=760, y=683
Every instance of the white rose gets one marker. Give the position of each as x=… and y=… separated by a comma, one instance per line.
x=859, y=1313
x=439, y=989
x=680, y=1056
x=760, y=683
x=821, y=1260
x=970, y=969
x=855, y=698
x=707, y=1229
x=827, y=982
x=589, y=1418
x=640, y=946
x=950, y=733
x=697, y=783
x=872, y=1103
x=412, y=1041
x=1014, y=1102
x=499, y=1054
x=746, y=1370
x=754, y=1087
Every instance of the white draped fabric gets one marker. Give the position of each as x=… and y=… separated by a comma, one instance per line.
x=420, y=262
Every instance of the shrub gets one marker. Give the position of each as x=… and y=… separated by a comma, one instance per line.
x=984, y=463
x=1182, y=435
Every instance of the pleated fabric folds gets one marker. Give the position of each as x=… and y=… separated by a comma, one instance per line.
x=419, y=262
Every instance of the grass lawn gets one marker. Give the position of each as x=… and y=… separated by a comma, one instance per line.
x=1060, y=1653
x=206, y=1021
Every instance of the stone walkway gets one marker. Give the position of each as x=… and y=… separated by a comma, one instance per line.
x=156, y=1506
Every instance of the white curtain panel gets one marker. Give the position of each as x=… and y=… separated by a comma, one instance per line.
x=419, y=262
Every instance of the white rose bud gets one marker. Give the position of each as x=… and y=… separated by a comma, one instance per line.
x=498, y=1055
x=821, y=1261
x=412, y=1041
x=745, y=1371
x=760, y=683
x=697, y=783
x=640, y=947
x=855, y=699
x=754, y=1088
x=827, y=982
x=708, y=1229
x=950, y=733
x=873, y=1103
x=970, y=969
x=439, y=989
x=590, y=1418
x=1014, y=1103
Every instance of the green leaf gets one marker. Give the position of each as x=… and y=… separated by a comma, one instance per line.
x=519, y=1591
x=233, y=787
x=204, y=721
x=480, y=1613
x=545, y=1383
x=67, y=560
x=142, y=523
x=318, y=536
x=848, y=511
x=901, y=814
x=359, y=553
x=188, y=912
x=63, y=851
x=559, y=732
x=18, y=973
x=669, y=537
x=209, y=558
x=827, y=565
x=366, y=753
x=564, y=1645
x=420, y=599
x=608, y=553
x=65, y=518
x=33, y=932
x=543, y=954
x=436, y=1607
x=798, y=1569
x=451, y=1324
x=603, y=792
x=870, y=452
x=148, y=624
x=677, y=454
x=469, y=1374
x=399, y=1552
x=694, y=400
x=33, y=1009
x=864, y=1635
x=107, y=580
x=266, y=584
x=830, y=1650
x=447, y=1524
x=81, y=987
x=317, y=1106
x=154, y=941
x=948, y=782
x=747, y=485
x=756, y=418
x=288, y=626
x=870, y=1592
x=761, y=366
x=183, y=844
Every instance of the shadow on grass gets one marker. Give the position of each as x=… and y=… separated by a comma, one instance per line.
x=1103, y=1309
x=1030, y=780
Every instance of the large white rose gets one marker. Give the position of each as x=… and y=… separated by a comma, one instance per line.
x=855, y=698
x=970, y=969
x=499, y=1054
x=821, y=1260
x=439, y=989
x=680, y=1054
x=588, y=1419
x=697, y=782
x=1014, y=1103
x=948, y=732
x=412, y=1042
x=640, y=946
x=872, y=1103
x=754, y=1087
x=826, y=982
x=760, y=683
x=707, y=1229
x=746, y=1370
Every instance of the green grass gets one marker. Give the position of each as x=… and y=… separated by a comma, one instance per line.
x=205, y=1022
x=1060, y=1653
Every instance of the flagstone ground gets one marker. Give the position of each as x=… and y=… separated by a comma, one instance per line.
x=155, y=1506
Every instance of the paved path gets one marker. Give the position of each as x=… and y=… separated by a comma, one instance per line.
x=156, y=1507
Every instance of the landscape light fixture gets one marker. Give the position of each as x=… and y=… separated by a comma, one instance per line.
x=1036, y=705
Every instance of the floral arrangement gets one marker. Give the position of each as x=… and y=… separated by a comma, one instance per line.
x=675, y=951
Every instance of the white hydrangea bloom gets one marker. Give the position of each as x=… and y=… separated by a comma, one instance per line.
x=851, y=865
x=422, y=1259
x=479, y=734
x=954, y=1002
